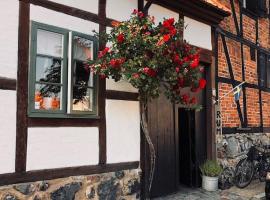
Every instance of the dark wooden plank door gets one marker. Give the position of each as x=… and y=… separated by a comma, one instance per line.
x=161, y=126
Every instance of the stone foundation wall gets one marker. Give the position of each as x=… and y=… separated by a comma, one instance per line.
x=234, y=147
x=121, y=185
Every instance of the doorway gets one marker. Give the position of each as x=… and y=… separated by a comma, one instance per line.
x=180, y=140
x=192, y=147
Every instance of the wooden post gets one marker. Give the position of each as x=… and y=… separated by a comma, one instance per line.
x=22, y=83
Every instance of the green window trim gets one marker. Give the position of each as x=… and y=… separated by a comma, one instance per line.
x=66, y=77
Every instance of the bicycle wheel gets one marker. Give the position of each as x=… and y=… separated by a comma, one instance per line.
x=244, y=173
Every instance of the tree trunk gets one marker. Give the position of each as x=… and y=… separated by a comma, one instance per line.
x=144, y=125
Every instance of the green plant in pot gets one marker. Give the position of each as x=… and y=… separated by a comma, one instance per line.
x=210, y=170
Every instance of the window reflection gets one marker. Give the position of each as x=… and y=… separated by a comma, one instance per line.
x=82, y=77
x=48, y=69
x=47, y=97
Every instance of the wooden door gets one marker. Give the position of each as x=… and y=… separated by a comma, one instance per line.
x=161, y=126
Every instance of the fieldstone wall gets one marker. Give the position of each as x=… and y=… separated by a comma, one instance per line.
x=121, y=185
x=233, y=147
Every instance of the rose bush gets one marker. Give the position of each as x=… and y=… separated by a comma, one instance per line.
x=151, y=57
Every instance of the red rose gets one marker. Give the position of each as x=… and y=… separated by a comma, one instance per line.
x=173, y=31
x=185, y=98
x=168, y=23
x=176, y=58
x=177, y=69
x=136, y=75
x=194, y=63
x=186, y=59
x=166, y=37
x=193, y=100
x=202, y=83
x=140, y=14
x=149, y=72
x=120, y=38
x=103, y=52
x=135, y=11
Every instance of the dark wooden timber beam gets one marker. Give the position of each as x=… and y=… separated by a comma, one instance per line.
x=147, y=6
x=195, y=9
x=7, y=83
x=39, y=175
x=206, y=56
x=71, y=11
x=22, y=87
x=119, y=95
x=101, y=92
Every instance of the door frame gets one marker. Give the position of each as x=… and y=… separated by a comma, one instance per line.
x=207, y=58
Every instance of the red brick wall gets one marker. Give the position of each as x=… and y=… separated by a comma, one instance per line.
x=228, y=106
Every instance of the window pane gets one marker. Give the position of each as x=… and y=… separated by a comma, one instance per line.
x=48, y=97
x=49, y=43
x=82, y=75
x=48, y=69
x=82, y=99
x=83, y=48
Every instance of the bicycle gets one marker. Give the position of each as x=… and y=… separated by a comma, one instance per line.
x=256, y=163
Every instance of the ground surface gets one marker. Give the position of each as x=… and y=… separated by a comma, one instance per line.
x=255, y=191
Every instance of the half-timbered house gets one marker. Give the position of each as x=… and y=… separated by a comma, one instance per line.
x=60, y=139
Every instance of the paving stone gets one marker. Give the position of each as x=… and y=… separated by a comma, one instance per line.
x=248, y=193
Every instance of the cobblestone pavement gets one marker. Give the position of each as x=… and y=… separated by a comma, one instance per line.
x=254, y=191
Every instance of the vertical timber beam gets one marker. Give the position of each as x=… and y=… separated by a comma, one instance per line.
x=102, y=91
x=232, y=77
x=22, y=82
x=241, y=18
x=244, y=87
x=260, y=89
x=235, y=18
x=140, y=5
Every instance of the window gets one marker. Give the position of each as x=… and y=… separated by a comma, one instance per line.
x=264, y=69
x=257, y=7
x=59, y=83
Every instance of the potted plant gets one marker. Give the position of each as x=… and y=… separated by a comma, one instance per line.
x=210, y=170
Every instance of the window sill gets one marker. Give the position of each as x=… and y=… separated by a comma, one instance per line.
x=62, y=116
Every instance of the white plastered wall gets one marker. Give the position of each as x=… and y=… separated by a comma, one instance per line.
x=87, y=5
x=7, y=131
x=9, y=12
x=160, y=13
x=50, y=17
x=63, y=146
x=197, y=33
x=123, y=131
x=49, y=148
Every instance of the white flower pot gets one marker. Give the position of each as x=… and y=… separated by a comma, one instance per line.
x=210, y=183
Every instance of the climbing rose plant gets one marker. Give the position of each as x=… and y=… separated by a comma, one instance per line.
x=151, y=57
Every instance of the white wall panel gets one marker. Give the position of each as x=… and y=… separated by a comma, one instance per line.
x=120, y=9
x=160, y=13
x=9, y=12
x=62, y=147
x=197, y=33
x=120, y=86
x=123, y=131
x=7, y=131
x=87, y=5
x=49, y=17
